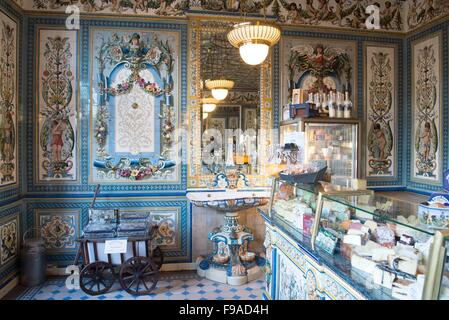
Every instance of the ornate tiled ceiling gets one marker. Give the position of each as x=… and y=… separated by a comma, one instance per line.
x=395, y=15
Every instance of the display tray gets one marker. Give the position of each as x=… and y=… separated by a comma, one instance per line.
x=305, y=178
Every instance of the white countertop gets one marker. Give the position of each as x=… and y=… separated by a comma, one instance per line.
x=226, y=195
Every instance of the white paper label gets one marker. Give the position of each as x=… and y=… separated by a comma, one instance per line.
x=115, y=246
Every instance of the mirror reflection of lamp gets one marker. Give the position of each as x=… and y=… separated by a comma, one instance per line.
x=209, y=104
x=219, y=88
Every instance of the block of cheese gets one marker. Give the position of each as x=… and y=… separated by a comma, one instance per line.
x=424, y=248
x=362, y=263
x=371, y=225
x=365, y=229
x=416, y=289
x=382, y=253
x=367, y=249
x=383, y=278
x=347, y=250
x=408, y=252
x=385, y=236
x=355, y=226
x=356, y=232
x=401, y=289
x=408, y=266
x=353, y=239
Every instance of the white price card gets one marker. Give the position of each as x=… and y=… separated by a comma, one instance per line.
x=115, y=246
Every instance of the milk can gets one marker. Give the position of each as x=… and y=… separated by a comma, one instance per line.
x=33, y=261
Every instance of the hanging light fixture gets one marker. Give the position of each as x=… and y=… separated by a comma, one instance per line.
x=205, y=115
x=209, y=104
x=219, y=88
x=217, y=59
x=254, y=40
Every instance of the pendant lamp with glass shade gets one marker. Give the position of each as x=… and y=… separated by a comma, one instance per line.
x=254, y=40
x=209, y=104
x=219, y=88
x=217, y=59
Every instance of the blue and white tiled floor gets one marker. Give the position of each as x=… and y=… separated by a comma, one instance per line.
x=171, y=286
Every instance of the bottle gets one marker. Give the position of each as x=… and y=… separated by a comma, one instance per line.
x=332, y=105
x=348, y=106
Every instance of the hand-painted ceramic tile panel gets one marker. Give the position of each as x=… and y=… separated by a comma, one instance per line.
x=168, y=228
x=426, y=160
x=381, y=129
x=318, y=66
x=8, y=100
x=59, y=228
x=420, y=12
x=333, y=13
x=135, y=105
x=269, y=272
x=57, y=110
x=9, y=239
x=294, y=284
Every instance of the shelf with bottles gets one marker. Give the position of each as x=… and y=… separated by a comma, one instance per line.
x=334, y=105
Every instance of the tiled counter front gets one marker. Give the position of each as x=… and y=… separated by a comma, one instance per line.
x=292, y=273
x=61, y=222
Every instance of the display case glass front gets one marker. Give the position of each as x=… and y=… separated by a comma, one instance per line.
x=381, y=244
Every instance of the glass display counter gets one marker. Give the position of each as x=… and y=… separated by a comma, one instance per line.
x=359, y=245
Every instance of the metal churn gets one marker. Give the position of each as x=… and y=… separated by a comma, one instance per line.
x=33, y=262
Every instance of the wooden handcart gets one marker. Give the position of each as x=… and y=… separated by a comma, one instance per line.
x=138, y=270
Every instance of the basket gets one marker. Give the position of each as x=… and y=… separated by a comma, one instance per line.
x=305, y=178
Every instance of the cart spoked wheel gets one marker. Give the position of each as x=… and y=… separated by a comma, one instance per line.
x=158, y=257
x=139, y=275
x=97, y=278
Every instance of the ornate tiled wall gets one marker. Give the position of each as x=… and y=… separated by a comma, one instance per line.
x=11, y=106
x=427, y=132
x=359, y=83
x=58, y=180
x=71, y=130
x=61, y=177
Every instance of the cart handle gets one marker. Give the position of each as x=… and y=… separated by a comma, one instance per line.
x=97, y=191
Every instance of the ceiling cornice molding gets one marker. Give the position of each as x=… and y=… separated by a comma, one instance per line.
x=196, y=13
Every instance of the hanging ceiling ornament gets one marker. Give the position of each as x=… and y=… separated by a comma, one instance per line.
x=219, y=88
x=254, y=40
x=209, y=104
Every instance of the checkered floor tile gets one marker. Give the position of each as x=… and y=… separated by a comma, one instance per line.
x=187, y=286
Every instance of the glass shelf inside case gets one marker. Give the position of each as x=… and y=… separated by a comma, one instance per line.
x=382, y=246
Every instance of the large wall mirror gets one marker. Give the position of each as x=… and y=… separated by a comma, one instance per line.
x=243, y=120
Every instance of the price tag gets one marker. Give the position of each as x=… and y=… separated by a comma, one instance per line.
x=115, y=246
